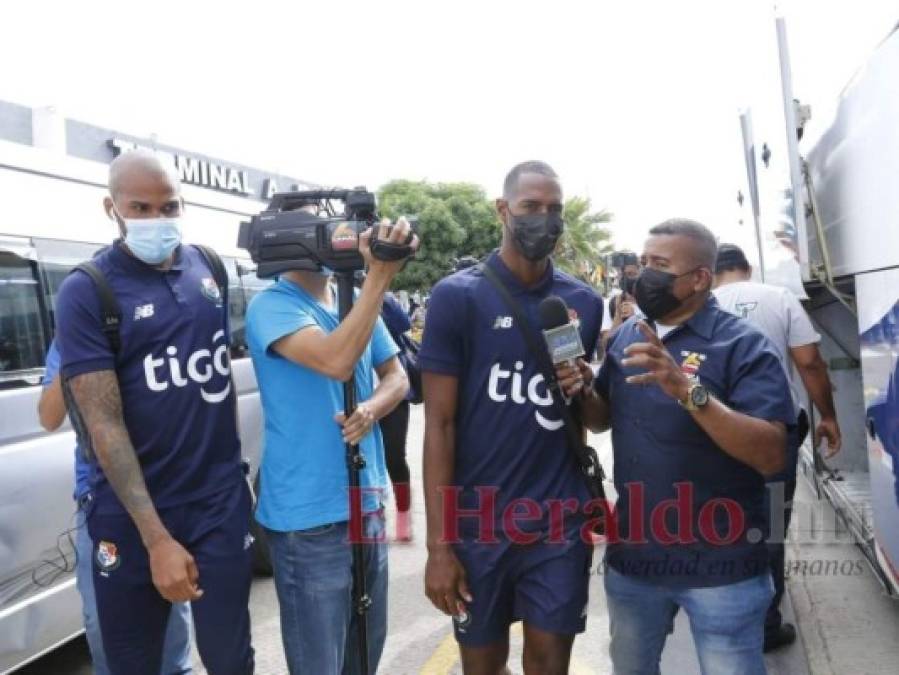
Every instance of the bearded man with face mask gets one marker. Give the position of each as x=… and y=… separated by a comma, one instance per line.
x=495, y=447
x=168, y=509
x=700, y=410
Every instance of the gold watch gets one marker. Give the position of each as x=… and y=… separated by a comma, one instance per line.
x=697, y=397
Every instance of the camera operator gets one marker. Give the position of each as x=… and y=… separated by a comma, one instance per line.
x=302, y=354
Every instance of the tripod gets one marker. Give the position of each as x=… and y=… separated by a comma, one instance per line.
x=355, y=463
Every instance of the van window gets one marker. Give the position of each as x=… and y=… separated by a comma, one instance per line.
x=252, y=285
x=57, y=260
x=237, y=309
x=22, y=336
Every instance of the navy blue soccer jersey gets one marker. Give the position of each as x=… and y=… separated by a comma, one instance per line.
x=172, y=367
x=508, y=436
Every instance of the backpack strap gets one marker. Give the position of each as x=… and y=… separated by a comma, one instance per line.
x=220, y=274
x=216, y=266
x=110, y=312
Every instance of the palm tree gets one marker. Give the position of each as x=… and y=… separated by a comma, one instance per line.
x=584, y=242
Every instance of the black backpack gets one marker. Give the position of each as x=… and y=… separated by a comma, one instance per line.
x=111, y=314
x=111, y=321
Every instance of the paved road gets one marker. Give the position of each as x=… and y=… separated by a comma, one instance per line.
x=420, y=638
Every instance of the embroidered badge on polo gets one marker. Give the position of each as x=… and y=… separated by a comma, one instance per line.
x=211, y=290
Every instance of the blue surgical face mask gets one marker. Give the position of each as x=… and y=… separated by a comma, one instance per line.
x=152, y=240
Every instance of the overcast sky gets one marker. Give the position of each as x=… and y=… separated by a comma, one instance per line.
x=634, y=103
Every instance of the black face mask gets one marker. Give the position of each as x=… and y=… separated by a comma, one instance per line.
x=654, y=294
x=628, y=285
x=535, y=235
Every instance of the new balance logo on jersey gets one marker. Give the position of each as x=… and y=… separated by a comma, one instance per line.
x=199, y=368
x=502, y=322
x=143, y=312
x=518, y=394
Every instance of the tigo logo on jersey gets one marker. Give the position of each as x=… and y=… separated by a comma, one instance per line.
x=502, y=322
x=108, y=557
x=143, y=312
x=199, y=368
x=517, y=393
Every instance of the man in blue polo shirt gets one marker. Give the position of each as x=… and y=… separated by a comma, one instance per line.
x=170, y=518
x=494, y=445
x=176, y=652
x=303, y=353
x=699, y=409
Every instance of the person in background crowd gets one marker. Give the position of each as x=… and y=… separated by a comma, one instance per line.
x=170, y=515
x=620, y=304
x=176, y=650
x=395, y=425
x=700, y=412
x=777, y=313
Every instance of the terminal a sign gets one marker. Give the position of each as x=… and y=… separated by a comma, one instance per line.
x=206, y=173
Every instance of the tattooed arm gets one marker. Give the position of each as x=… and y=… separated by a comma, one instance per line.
x=98, y=399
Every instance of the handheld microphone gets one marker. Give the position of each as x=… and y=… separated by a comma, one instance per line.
x=562, y=337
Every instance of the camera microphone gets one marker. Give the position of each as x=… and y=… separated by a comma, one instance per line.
x=563, y=339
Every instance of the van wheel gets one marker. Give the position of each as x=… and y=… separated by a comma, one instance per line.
x=262, y=559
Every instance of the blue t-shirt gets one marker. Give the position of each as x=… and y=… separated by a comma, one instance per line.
x=173, y=371
x=304, y=472
x=507, y=434
x=658, y=445
x=82, y=466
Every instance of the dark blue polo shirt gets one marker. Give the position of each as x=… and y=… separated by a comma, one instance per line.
x=172, y=367
x=508, y=437
x=717, y=536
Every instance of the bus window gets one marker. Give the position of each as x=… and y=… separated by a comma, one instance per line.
x=22, y=337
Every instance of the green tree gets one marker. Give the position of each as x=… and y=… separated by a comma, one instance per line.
x=454, y=219
x=584, y=241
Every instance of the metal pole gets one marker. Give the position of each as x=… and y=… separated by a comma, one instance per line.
x=796, y=180
x=355, y=463
x=752, y=178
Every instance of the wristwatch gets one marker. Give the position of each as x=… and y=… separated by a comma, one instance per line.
x=697, y=397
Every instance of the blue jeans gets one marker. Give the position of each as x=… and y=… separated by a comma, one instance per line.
x=727, y=623
x=314, y=582
x=176, y=656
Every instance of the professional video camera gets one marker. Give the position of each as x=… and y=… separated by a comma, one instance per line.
x=286, y=237
x=622, y=259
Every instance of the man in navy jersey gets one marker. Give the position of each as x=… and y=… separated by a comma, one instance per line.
x=171, y=509
x=495, y=447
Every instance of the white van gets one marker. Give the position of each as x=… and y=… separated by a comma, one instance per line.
x=52, y=218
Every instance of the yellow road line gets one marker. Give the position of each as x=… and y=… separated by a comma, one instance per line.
x=447, y=655
x=443, y=658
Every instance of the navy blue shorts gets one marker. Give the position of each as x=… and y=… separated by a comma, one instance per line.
x=544, y=585
x=133, y=615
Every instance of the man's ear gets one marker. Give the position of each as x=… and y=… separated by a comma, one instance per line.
x=108, y=206
x=502, y=206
